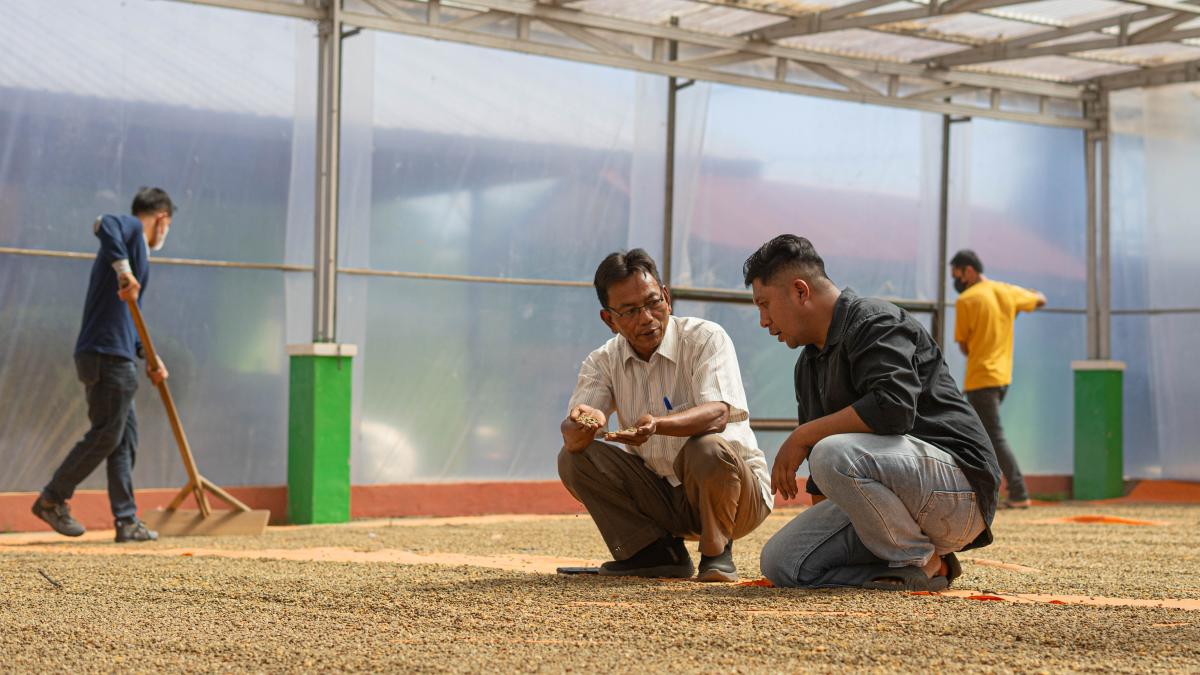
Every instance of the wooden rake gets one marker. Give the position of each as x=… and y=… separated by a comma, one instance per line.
x=173, y=521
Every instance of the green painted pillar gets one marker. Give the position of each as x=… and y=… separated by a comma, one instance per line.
x=1099, y=450
x=319, y=433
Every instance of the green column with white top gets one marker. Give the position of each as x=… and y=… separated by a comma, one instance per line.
x=1099, y=442
x=319, y=433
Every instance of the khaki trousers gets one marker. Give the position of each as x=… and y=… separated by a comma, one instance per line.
x=633, y=507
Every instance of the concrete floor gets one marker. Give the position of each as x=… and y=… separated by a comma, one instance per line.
x=471, y=594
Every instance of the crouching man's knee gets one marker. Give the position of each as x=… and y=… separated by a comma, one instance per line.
x=782, y=561
x=705, y=457
x=832, y=457
x=570, y=464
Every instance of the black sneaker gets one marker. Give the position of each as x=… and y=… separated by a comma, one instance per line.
x=667, y=557
x=718, y=567
x=133, y=529
x=58, y=515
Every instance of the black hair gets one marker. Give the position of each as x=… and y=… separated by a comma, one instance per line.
x=787, y=251
x=150, y=200
x=619, y=266
x=965, y=258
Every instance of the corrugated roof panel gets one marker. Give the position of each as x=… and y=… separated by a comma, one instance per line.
x=1066, y=12
x=872, y=44
x=975, y=28
x=1158, y=54
x=697, y=16
x=1058, y=68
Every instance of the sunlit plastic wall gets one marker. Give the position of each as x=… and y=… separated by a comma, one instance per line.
x=465, y=161
x=1156, y=266
x=1017, y=198
x=479, y=191
x=98, y=98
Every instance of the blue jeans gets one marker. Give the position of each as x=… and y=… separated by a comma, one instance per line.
x=893, y=501
x=110, y=383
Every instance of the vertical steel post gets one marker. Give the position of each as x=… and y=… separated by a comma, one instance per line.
x=939, y=317
x=1104, y=272
x=329, y=71
x=669, y=180
x=1093, y=305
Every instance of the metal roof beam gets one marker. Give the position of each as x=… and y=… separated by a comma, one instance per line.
x=999, y=51
x=677, y=69
x=1165, y=4
x=273, y=7
x=1159, y=30
x=682, y=35
x=811, y=22
x=820, y=23
x=1174, y=73
x=838, y=77
x=1005, y=51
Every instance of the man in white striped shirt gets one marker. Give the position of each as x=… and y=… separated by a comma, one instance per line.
x=691, y=467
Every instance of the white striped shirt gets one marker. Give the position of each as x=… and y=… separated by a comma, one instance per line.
x=694, y=364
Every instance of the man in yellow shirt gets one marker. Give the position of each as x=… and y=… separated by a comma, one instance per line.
x=983, y=329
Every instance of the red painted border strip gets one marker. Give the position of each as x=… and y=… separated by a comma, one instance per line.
x=453, y=499
x=90, y=507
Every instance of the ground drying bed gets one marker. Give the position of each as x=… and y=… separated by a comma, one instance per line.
x=397, y=597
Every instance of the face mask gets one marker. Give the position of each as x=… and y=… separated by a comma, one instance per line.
x=959, y=284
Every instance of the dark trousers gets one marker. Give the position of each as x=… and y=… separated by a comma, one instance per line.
x=987, y=402
x=110, y=383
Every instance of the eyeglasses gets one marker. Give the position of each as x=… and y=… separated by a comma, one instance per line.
x=651, y=307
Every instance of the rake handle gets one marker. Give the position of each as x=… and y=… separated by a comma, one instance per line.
x=195, y=481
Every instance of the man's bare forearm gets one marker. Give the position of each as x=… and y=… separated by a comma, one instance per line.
x=706, y=418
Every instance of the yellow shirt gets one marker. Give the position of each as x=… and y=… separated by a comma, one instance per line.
x=984, y=321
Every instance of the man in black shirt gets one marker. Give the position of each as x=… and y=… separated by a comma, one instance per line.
x=909, y=474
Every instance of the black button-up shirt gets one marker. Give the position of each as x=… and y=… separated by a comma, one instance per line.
x=880, y=360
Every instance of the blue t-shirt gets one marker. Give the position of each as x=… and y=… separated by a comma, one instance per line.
x=107, y=325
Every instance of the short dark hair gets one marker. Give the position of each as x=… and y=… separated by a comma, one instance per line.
x=619, y=266
x=787, y=251
x=151, y=200
x=967, y=257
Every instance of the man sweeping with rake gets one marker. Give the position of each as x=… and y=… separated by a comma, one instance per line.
x=105, y=354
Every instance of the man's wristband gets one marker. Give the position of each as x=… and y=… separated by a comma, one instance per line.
x=122, y=267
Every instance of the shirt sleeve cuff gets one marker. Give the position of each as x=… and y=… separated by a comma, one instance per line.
x=737, y=413
x=122, y=267
x=868, y=409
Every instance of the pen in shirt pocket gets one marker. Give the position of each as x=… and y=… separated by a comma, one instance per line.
x=667, y=403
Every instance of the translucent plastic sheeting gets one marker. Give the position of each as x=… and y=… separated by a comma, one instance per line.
x=196, y=100
x=1160, y=393
x=97, y=98
x=860, y=182
x=463, y=160
x=1156, y=265
x=464, y=380
x=460, y=160
x=1017, y=199
x=220, y=332
x=1038, y=412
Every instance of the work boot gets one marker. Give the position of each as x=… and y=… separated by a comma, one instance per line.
x=667, y=557
x=132, y=529
x=58, y=516
x=718, y=567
